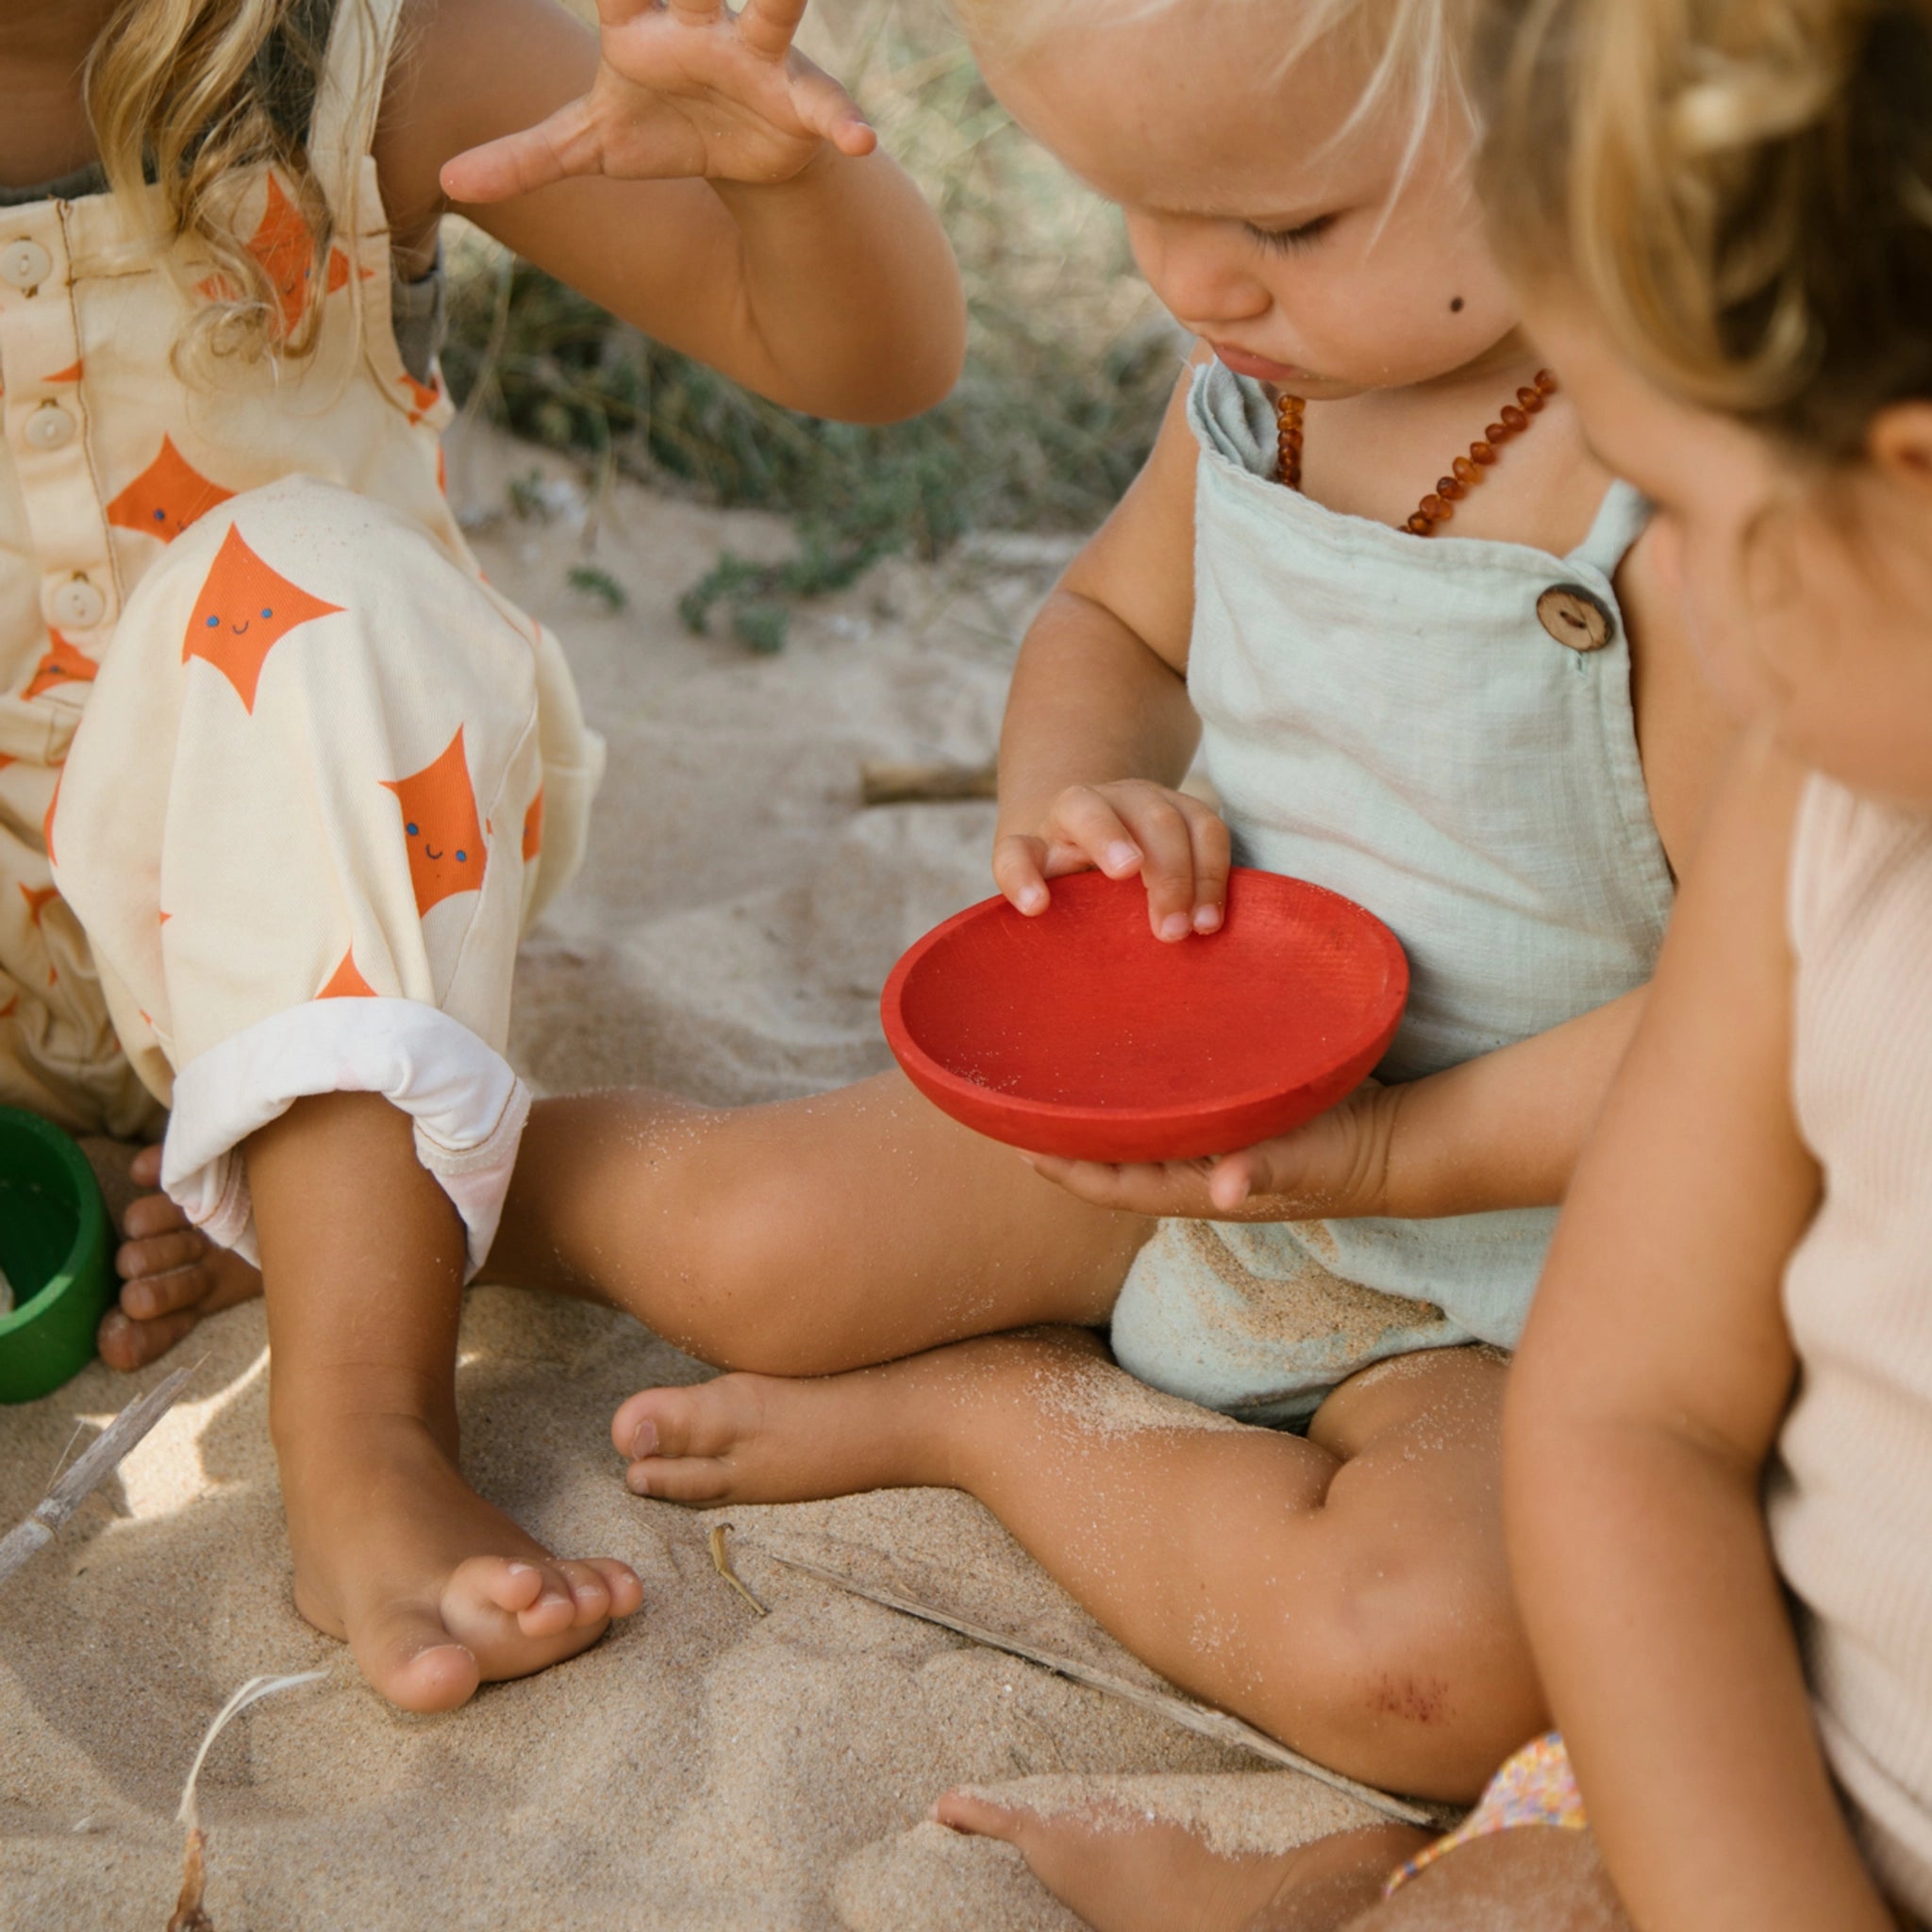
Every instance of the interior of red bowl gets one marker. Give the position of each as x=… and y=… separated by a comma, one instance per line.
x=1083, y=1008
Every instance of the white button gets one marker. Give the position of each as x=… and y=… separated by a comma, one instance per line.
x=50, y=427
x=77, y=604
x=24, y=264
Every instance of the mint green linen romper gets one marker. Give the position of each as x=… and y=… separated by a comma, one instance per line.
x=1387, y=716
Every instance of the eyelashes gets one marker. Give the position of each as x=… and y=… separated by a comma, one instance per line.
x=1291, y=241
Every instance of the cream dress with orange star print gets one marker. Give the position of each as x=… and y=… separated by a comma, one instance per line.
x=281, y=778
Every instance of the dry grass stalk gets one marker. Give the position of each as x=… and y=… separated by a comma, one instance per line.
x=722, y=1560
x=884, y=782
x=1200, y=1718
x=191, y=1915
x=98, y=1462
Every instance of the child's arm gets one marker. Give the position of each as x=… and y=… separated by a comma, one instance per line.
x=1098, y=728
x=1503, y=1130
x=1643, y=1406
x=699, y=179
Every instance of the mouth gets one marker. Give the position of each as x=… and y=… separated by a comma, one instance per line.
x=430, y=852
x=1261, y=368
x=239, y=628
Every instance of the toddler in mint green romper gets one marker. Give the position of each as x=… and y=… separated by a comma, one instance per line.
x=1391, y=717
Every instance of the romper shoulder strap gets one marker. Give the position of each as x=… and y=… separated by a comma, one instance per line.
x=1621, y=519
x=348, y=98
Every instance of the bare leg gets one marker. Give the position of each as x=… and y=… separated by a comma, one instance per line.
x=1122, y=1874
x=1347, y=1593
x=803, y=1238
x=362, y=1254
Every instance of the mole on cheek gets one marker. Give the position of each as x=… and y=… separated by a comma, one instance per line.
x=1455, y=305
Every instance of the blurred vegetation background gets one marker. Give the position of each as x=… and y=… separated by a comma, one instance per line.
x=1069, y=366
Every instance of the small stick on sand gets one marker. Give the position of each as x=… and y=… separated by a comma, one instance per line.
x=94, y=1464
x=189, y=1913
x=723, y=1561
x=882, y=782
x=1200, y=1718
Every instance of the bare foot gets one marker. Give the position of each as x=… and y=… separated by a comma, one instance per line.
x=171, y=1274
x=435, y=1590
x=780, y=1439
x=1122, y=1872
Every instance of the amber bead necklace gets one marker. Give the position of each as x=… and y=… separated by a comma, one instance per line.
x=1439, y=505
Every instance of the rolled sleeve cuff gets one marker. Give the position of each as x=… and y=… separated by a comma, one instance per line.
x=468, y=1107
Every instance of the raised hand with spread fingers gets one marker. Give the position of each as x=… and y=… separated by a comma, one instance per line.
x=683, y=89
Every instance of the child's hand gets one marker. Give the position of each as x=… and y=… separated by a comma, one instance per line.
x=684, y=89
x=1335, y=1168
x=1178, y=846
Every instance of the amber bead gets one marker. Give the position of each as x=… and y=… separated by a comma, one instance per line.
x=1499, y=432
x=1436, y=510
x=1448, y=487
x=1466, y=471
x=1514, y=420
x=1546, y=382
x=1483, y=452
x=1419, y=525
x=1531, y=399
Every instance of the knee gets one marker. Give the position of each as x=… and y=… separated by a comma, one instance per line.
x=1405, y=1679
x=749, y=1291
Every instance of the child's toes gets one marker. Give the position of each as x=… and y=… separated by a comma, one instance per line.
x=966, y=1811
x=680, y=1479
x=408, y=1655
x=705, y=1420
x=622, y=1581
x=590, y=1594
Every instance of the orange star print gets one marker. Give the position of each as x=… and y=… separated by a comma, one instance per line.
x=423, y=396
x=443, y=826
x=244, y=610
x=346, y=981
x=62, y=664
x=167, y=497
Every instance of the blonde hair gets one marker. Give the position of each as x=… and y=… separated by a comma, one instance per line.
x=1412, y=49
x=1742, y=190
x=183, y=93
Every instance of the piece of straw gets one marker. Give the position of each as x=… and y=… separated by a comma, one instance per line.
x=723, y=1562
x=1200, y=1718
x=92, y=1466
x=189, y=1913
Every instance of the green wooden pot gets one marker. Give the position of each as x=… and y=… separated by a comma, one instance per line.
x=57, y=1250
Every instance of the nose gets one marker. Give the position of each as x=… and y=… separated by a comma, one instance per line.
x=1199, y=268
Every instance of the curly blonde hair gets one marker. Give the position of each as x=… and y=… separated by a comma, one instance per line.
x=1740, y=188
x=184, y=95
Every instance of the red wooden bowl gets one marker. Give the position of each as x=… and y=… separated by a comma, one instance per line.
x=1079, y=1033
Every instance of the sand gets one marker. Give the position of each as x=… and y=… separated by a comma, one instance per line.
x=702, y=1770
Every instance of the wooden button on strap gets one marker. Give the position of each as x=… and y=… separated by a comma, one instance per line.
x=1576, y=617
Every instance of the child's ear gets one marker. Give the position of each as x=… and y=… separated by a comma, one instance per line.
x=1899, y=444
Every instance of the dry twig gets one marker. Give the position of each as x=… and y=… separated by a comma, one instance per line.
x=723, y=1561
x=1200, y=1718
x=94, y=1464
x=882, y=782
x=191, y=1915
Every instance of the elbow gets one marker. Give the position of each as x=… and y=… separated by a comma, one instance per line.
x=914, y=376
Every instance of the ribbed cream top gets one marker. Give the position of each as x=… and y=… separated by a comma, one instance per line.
x=1851, y=1498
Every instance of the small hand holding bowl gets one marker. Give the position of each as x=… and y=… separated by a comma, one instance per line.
x=1079, y=1033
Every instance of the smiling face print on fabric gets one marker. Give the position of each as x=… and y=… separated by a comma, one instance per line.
x=443, y=827
x=167, y=497
x=63, y=664
x=244, y=610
